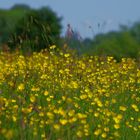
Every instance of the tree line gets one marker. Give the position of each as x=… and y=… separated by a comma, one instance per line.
x=36, y=29
x=28, y=28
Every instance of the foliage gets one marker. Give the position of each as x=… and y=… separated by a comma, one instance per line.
x=8, y=20
x=119, y=45
x=23, y=26
x=124, y=43
x=135, y=31
x=38, y=29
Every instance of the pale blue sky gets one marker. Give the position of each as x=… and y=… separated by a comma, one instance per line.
x=84, y=13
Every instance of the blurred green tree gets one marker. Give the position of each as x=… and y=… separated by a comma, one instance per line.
x=2, y=28
x=135, y=31
x=118, y=44
x=37, y=30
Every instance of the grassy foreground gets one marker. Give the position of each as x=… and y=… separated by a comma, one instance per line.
x=64, y=97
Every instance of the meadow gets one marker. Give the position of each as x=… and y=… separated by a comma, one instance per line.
x=62, y=96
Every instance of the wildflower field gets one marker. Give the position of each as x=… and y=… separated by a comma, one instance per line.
x=61, y=96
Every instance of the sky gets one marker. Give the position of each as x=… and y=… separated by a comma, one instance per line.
x=88, y=17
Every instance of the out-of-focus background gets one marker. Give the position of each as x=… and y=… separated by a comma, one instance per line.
x=82, y=14
x=95, y=26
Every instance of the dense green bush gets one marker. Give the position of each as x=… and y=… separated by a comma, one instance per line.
x=37, y=30
x=8, y=21
x=124, y=43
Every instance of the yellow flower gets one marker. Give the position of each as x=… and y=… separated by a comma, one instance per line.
x=116, y=134
x=122, y=108
x=97, y=132
x=63, y=98
x=32, y=98
x=71, y=113
x=50, y=115
x=26, y=110
x=61, y=71
x=104, y=135
x=35, y=89
x=46, y=93
x=99, y=103
x=11, y=84
x=106, y=129
x=114, y=101
x=43, y=135
x=52, y=47
x=116, y=120
x=67, y=55
x=131, y=118
x=135, y=107
x=35, y=133
x=48, y=99
x=83, y=96
x=119, y=116
x=62, y=112
x=41, y=114
x=21, y=87
x=14, y=119
x=71, y=120
x=13, y=101
x=116, y=126
x=79, y=133
x=56, y=126
x=96, y=114
x=135, y=128
x=63, y=121
x=83, y=121
x=81, y=116
x=74, y=84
